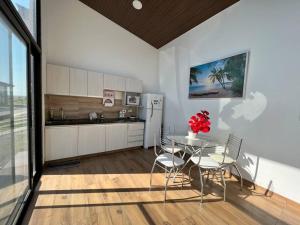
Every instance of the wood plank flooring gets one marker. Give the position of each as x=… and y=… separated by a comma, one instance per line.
x=114, y=189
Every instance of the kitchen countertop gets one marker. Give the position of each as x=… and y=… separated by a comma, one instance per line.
x=87, y=121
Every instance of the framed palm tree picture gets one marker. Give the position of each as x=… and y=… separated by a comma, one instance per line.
x=223, y=78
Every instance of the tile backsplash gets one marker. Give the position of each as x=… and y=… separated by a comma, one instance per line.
x=79, y=107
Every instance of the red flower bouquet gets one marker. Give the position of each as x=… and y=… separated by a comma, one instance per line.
x=200, y=122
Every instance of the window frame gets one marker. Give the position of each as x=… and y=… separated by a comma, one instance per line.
x=34, y=48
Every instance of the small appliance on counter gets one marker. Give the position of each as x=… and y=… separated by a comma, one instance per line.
x=151, y=112
x=122, y=113
x=60, y=116
x=132, y=99
x=93, y=116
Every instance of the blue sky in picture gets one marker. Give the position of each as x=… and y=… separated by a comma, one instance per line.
x=19, y=59
x=203, y=77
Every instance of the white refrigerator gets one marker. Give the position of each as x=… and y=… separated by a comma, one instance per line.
x=151, y=112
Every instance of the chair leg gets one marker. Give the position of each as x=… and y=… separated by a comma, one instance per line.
x=230, y=171
x=154, y=164
x=165, y=172
x=182, y=178
x=224, y=184
x=183, y=155
x=190, y=173
x=166, y=184
x=201, y=183
x=213, y=175
x=237, y=169
x=207, y=176
x=175, y=174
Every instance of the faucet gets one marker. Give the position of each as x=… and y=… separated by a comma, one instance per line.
x=61, y=111
x=51, y=113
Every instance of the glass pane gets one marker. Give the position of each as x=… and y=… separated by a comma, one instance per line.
x=27, y=10
x=14, y=172
x=33, y=116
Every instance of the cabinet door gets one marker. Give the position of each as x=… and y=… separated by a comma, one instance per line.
x=61, y=142
x=58, y=80
x=78, y=82
x=91, y=139
x=95, y=84
x=134, y=85
x=112, y=82
x=135, y=134
x=116, y=136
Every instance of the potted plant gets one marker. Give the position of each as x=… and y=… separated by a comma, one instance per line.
x=199, y=122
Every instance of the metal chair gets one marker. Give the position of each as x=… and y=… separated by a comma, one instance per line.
x=228, y=157
x=166, y=145
x=167, y=161
x=205, y=163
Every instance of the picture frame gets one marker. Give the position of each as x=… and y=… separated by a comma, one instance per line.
x=221, y=78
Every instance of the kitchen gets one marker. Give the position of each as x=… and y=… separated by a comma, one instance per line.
x=149, y=112
x=90, y=112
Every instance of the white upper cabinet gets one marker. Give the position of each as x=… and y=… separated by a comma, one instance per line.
x=78, y=82
x=63, y=80
x=58, y=80
x=134, y=85
x=113, y=82
x=116, y=136
x=91, y=139
x=95, y=84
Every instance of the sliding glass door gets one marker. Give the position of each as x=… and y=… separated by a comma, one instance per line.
x=14, y=120
x=20, y=107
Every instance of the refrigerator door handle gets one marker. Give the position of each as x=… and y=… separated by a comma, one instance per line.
x=151, y=109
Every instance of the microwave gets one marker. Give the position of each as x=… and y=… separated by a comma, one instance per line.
x=132, y=100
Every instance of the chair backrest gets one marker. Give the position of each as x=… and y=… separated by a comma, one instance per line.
x=163, y=135
x=233, y=147
x=162, y=140
x=199, y=152
x=155, y=147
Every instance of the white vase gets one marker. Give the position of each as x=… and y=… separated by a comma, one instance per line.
x=191, y=134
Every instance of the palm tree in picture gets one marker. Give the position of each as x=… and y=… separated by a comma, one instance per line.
x=219, y=75
x=193, y=75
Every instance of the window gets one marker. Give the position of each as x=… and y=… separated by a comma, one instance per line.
x=20, y=107
x=27, y=10
x=14, y=169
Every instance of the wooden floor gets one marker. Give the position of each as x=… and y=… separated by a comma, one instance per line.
x=113, y=189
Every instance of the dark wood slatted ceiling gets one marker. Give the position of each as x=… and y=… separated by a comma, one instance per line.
x=159, y=21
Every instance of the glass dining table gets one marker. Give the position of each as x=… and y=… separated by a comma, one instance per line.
x=193, y=145
x=202, y=144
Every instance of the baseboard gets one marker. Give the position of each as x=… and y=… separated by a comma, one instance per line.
x=78, y=158
x=267, y=192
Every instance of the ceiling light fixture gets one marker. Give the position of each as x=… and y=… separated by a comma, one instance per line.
x=137, y=4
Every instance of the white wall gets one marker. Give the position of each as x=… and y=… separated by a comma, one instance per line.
x=268, y=117
x=78, y=36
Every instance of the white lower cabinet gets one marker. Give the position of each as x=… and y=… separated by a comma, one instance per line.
x=70, y=141
x=116, y=136
x=135, y=134
x=61, y=142
x=91, y=139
